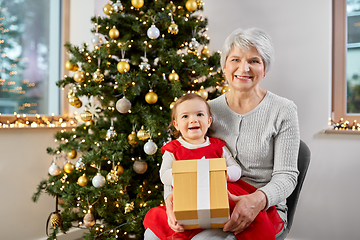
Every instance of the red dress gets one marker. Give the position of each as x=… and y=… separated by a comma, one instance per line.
x=265, y=226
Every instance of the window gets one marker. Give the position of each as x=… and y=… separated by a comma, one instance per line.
x=30, y=56
x=346, y=59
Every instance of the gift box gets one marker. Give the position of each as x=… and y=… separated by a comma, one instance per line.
x=200, y=193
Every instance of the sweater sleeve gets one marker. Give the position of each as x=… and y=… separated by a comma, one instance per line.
x=286, y=148
x=233, y=168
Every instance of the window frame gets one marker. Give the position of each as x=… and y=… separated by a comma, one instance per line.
x=339, y=51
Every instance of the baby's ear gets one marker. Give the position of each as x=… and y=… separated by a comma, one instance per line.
x=210, y=120
x=175, y=125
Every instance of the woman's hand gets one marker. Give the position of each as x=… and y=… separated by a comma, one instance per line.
x=246, y=209
x=170, y=214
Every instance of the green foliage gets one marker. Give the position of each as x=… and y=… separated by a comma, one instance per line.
x=110, y=203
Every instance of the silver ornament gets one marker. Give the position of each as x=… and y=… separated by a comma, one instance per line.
x=140, y=166
x=79, y=164
x=54, y=169
x=150, y=147
x=98, y=181
x=97, y=40
x=111, y=133
x=153, y=32
x=118, y=6
x=194, y=45
x=145, y=66
x=123, y=105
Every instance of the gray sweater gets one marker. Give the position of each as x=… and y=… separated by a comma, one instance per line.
x=265, y=143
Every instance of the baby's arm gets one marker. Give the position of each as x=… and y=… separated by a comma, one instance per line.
x=166, y=168
x=233, y=168
x=166, y=172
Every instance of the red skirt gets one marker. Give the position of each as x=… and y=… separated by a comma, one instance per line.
x=264, y=227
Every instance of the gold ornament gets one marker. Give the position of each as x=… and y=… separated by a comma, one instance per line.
x=114, y=33
x=83, y=180
x=225, y=89
x=151, y=97
x=111, y=177
x=205, y=51
x=191, y=5
x=173, y=76
x=75, y=101
x=89, y=220
x=69, y=167
x=98, y=76
x=72, y=154
x=108, y=9
x=172, y=105
x=129, y=207
x=89, y=123
x=173, y=28
x=75, y=68
x=86, y=116
x=55, y=219
x=200, y=3
x=123, y=66
x=132, y=139
x=137, y=3
x=142, y=134
x=119, y=169
x=69, y=66
x=79, y=76
x=171, y=7
x=203, y=93
x=140, y=166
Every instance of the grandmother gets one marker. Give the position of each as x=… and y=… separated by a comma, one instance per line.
x=261, y=130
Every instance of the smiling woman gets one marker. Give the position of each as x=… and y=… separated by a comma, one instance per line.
x=30, y=56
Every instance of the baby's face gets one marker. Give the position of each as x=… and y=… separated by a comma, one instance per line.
x=192, y=120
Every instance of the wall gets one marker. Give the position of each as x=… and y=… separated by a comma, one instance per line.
x=301, y=31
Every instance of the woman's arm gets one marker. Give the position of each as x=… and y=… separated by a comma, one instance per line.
x=246, y=209
x=286, y=150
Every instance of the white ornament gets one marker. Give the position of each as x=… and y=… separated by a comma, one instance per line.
x=54, y=169
x=193, y=45
x=98, y=180
x=153, y=32
x=118, y=6
x=97, y=40
x=150, y=147
x=123, y=105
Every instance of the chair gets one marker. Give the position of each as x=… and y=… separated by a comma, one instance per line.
x=292, y=200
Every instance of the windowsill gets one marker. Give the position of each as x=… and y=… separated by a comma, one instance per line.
x=36, y=122
x=345, y=131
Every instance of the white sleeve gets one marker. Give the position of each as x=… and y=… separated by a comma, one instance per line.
x=166, y=168
x=233, y=168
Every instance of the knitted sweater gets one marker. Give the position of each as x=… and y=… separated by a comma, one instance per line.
x=265, y=141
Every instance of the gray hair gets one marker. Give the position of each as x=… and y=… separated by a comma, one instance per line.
x=247, y=38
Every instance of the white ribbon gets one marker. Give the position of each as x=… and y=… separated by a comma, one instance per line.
x=203, y=193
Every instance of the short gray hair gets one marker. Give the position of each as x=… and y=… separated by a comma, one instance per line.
x=244, y=39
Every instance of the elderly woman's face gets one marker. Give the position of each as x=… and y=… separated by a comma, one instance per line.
x=244, y=69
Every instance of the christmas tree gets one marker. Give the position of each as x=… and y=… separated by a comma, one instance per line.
x=145, y=55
